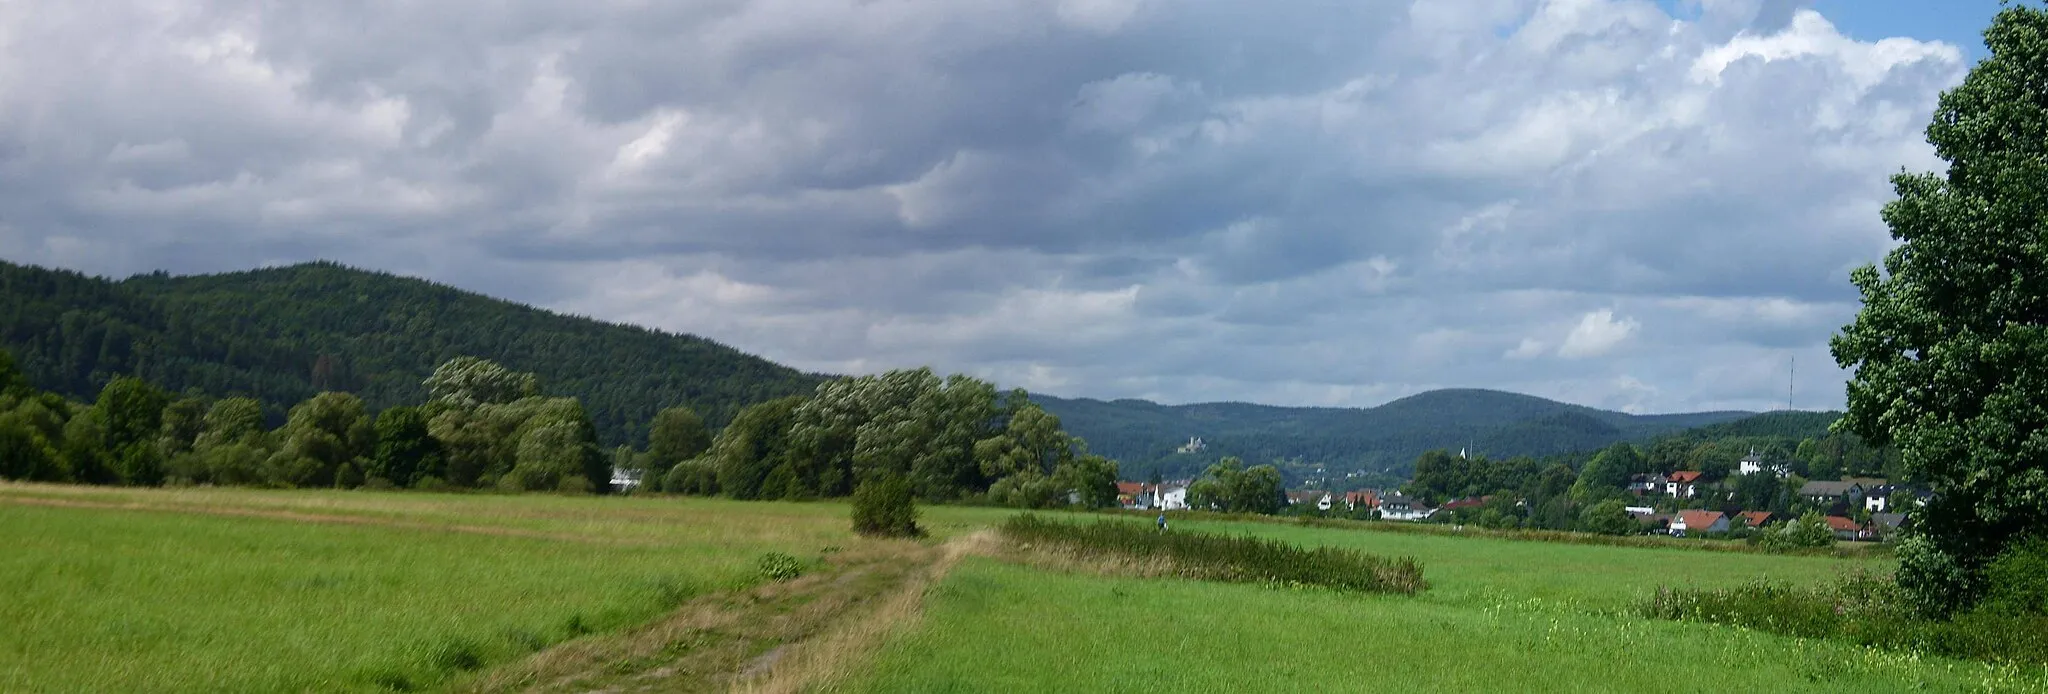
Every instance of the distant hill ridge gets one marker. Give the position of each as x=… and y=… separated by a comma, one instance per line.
x=284, y=333
x=1387, y=438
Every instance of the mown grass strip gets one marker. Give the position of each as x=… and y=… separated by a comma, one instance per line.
x=1233, y=559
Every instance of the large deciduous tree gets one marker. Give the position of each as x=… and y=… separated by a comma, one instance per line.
x=469, y=382
x=676, y=434
x=406, y=451
x=320, y=436
x=130, y=413
x=1950, y=349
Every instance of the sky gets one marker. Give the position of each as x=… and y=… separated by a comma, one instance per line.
x=1643, y=205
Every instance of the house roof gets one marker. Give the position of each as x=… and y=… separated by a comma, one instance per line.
x=1841, y=524
x=1363, y=497
x=1468, y=502
x=1754, y=519
x=1828, y=488
x=1889, y=520
x=1404, y=499
x=1868, y=482
x=1700, y=519
x=1685, y=476
x=1131, y=487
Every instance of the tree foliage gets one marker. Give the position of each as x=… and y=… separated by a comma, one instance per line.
x=1230, y=487
x=1950, y=349
x=885, y=506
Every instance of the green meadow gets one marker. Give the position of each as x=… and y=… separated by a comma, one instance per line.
x=1500, y=615
x=215, y=590
x=264, y=591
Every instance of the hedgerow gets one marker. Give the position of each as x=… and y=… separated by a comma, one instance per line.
x=1234, y=559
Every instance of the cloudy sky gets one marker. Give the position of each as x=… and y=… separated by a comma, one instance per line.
x=1640, y=205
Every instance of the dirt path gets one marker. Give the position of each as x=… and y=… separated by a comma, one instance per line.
x=780, y=637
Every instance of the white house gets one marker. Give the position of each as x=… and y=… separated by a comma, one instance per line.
x=1754, y=463
x=1682, y=484
x=625, y=478
x=1171, y=496
x=1699, y=522
x=1400, y=507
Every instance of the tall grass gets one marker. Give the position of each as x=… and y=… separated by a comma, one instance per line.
x=1235, y=559
x=1864, y=609
x=1846, y=551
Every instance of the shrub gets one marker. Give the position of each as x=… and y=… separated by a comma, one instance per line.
x=884, y=506
x=1866, y=609
x=1809, y=530
x=1241, y=559
x=2017, y=581
x=776, y=566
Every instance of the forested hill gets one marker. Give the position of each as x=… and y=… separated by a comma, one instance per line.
x=1387, y=438
x=284, y=334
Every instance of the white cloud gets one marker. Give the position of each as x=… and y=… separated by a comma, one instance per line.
x=1530, y=348
x=1596, y=334
x=1317, y=203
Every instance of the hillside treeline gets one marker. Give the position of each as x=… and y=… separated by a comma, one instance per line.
x=284, y=335
x=483, y=425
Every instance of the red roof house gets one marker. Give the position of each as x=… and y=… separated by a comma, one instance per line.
x=1754, y=519
x=1693, y=521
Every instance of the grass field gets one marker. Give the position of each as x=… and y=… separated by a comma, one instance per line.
x=1500, y=616
x=244, y=590
x=239, y=590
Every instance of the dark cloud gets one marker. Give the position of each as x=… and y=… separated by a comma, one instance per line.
x=1311, y=202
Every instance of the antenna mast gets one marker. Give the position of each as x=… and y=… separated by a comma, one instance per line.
x=1791, y=377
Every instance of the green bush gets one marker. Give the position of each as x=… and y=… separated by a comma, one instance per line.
x=1809, y=530
x=885, y=507
x=776, y=566
x=2017, y=581
x=1242, y=559
x=1870, y=610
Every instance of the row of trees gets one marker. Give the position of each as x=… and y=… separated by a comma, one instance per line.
x=484, y=427
x=949, y=438
x=488, y=426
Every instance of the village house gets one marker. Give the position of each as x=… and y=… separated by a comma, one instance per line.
x=1682, y=484
x=1846, y=529
x=1134, y=495
x=1753, y=519
x=1322, y=500
x=1886, y=524
x=1877, y=498
x=1171, y=496
x=1830, y=493
x=1650, y=519
x=1646, y=484
x=1467, y=502
x=1691, y=521
x=1754, y=463
x=1364, y=498
x=1403, y=508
